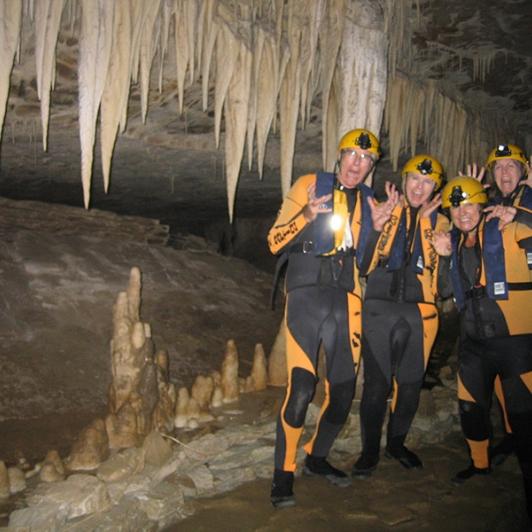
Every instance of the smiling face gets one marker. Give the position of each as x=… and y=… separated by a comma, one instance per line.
x=507, y=174
x=355, y=165
x=466, y=216
x=418, y=189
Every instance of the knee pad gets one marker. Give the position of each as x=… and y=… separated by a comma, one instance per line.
x=340, y=398
x=302, y=387
x=475, y=420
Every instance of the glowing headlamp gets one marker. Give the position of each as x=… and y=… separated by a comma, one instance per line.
x=336, y=222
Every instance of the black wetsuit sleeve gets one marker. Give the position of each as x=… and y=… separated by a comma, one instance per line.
x=445, y=287
x=523, y=217
x=369, y=251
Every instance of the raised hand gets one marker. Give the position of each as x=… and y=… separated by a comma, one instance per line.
x=476, y=171
x=381, y=212
x=529, y=173
x=315, y=205
x=426, y=210
x=441, y=241
x=506, y=214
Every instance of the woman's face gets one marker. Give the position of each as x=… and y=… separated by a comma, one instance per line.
x=418, y=189
x=466, y=216
x=507, y=174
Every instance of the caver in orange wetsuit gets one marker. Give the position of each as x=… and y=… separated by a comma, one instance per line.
x=492, y=288
x=323, y=304
x=399, y=318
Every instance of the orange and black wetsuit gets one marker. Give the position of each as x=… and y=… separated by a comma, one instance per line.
x=323, y=305
x=492, y=288
x=521, y=198
x=399, y=324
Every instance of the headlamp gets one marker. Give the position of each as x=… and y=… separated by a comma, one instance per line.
x=503, y=150
x=425, y=167
x=363, y=141
x=336, y=222
x=457, y=196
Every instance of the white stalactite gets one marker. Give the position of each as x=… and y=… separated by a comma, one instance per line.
x=362, y=77
x=266, y=59
x=94, y=52
x=148, y=44
x=236, y=118
x=116, y=90
x=10, y=20
x=47, y=21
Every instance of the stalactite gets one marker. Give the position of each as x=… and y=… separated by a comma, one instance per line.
x=183, y=52
x=10, y=20
x=290, y=96
x=47, y=20
x=419, y=111
x=330, y=41
x=236, y=118
x=265, y=58
x=94, y=52
x=116, y=90
x=209, y=39
x=148, y=42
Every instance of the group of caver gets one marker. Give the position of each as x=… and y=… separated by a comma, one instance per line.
x=470, y=238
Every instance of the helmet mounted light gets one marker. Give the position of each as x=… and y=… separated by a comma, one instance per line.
x=425, y=167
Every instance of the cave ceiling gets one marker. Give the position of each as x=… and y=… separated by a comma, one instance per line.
x=476, y=56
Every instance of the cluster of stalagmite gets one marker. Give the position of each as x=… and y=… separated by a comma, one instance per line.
x=263, y=57
x=141, y=399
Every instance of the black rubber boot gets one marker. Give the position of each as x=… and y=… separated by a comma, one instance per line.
x=466, y=474
x=318, y=465
x=365, y=465
x=500, y=452
x=404, y=456
x=282, y=495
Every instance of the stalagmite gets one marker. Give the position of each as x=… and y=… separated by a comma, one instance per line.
x=259, y=372
x=47, y=20
x=52, y=468
x=90, y=449
x=11, y=16
x=193, y=413
x=217, y=397
x=230, y=385
x=4, y=481
x=277, y=372
x=94, y=53
x=140, y=396
x=163, y=416
x=202, y=391
x=17, y=480
x=181, y=417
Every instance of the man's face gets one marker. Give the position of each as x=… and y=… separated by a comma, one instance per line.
x=466, y=216
x=507, y=174
x=418, y=189
x=355, y=165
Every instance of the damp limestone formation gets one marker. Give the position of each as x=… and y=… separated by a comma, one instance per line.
x=265, y=62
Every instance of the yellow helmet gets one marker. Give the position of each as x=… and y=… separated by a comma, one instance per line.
x=462, y=190
x=360, y=138
x=506, y=151
x=426, y=165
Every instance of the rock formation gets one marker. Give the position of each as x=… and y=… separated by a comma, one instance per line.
x=230, y=383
